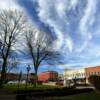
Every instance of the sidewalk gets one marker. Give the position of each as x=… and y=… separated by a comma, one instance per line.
x=84, y=87
x=7, y=97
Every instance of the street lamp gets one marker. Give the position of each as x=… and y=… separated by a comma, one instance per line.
x=28, y=69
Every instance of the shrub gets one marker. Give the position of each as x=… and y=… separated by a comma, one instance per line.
x=46, y=93
x=95, y=81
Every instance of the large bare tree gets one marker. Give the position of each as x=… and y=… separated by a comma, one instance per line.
x=40, y=48
x=12, y=24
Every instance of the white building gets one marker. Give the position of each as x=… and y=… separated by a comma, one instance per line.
x=70, y=75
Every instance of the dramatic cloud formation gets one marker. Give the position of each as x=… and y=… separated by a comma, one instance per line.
x=74, y=23
x=8, y=4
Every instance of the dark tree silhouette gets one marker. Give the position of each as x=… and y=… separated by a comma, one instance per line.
x=39, y=46
x=12, y=24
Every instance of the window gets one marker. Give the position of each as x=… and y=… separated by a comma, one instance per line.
x=86, y=74
x=91, y=73
x=94, y=73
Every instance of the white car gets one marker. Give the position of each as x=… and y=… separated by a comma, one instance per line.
x=12, y=82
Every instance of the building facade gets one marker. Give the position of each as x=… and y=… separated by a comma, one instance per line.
x=72, y=75
x=15, y=77
x=12, y=76
x=81, y=75
x=48, y=76
x=92, y=71
x=60, y=77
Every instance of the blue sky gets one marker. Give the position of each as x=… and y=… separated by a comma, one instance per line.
x=74, y=23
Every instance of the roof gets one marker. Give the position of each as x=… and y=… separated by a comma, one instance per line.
x=50, y=71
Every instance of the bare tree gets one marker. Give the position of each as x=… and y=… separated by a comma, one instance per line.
x=40, y=48
x=12, y=64
x=12, y=24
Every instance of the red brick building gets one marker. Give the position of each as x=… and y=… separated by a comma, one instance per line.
x=92, y=71
x=48, y=76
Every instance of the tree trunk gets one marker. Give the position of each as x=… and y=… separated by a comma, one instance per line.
x=3, y=73
x=36, y=79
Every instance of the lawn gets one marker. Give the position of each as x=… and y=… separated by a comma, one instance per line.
x=22, y=86
x=82, y=96
x=14, y=87
x=10, y=88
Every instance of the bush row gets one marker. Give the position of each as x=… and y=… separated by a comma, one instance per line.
x=36, y=90
x=53, y=93
x=95, y=81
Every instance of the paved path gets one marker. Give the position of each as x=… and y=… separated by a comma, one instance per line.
x=84, y=87
x=7, y=97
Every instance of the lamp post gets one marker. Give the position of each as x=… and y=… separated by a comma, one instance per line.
x=28, y=69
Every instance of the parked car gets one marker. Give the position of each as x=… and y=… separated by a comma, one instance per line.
x=60, y=83
x=12, y=82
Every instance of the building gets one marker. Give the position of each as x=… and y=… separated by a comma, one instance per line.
x=48, y=76
x=81, y=75
x=15, y=77
x=60, y=77
x=71, y=75
x=12, y=76
x=92, y=71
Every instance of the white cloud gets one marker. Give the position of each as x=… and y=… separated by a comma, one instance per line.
x=74, y=30
x=86, y=22
x=68, y=44
x=88, y=17
x=78, y=65
x=74, y=3
x=8, y=4
x=55, y=15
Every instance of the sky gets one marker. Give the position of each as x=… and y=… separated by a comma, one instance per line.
x=74, y=23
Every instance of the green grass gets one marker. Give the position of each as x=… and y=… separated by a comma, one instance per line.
x=83, y=96
x=30, y=87
x=10, y=88
x=15, y=86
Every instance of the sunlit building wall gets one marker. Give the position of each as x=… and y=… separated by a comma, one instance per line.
x=84, y=73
